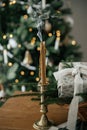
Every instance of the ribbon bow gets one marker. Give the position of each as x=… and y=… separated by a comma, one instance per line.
x=76, y=71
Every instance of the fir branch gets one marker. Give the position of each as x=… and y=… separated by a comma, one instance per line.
x=63, y=129
x=57, y=100
x=67, y=64
x=83, y=95
x=21, y=95
x=35, y=99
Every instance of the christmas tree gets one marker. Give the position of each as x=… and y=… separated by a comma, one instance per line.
x=23, y=25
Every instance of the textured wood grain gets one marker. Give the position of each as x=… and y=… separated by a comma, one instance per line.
x=83, y=111
x=20, y=113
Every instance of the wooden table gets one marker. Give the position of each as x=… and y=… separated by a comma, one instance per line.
x=20, y=113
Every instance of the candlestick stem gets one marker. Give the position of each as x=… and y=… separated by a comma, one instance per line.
x=43, y=123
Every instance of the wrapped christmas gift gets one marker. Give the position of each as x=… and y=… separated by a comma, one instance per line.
x=72, y=80
x=66, y=77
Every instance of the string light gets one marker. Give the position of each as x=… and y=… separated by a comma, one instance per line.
x=30, y=29
x=32, y=42
x=10, y=64
x=4, y=36
x=12, y=2
x=58, y=33
x=22, y=73
x=25, y=16
x=19, y=45
x=58, y=38
x=38, y=48
x=34, y=38
x=58, y=11
x=32, y=73
x=73, y=42
x=16, y=80
x=11, y=35
x=26, y=6
x=3, y=4
x=37, y=79
x=50, y=34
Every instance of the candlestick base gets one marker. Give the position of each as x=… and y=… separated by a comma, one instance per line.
x=43, y=124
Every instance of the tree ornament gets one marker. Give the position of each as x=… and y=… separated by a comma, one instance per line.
x=12, y=43
x=23, y=88
x=29, y=10
x=56, y=46
x=5, y=55
x=43, y=4
x=27, y=58
x=47, y=26
x=2, y=93
x=46, y=61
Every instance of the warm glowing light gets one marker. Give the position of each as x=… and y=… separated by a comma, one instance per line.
x=38, y=48
x=25, y=16
x=34, y=38
x=58, y=11
x=19, y=45
x=30, y=29
x=16, y=80
x=58, y=38
x=50, y=34
x=10, y=64
x=22, y=73
x=58, y=33
x=14, y=2
x=37, y=79
x=11, y=35
x=3, y=4
x=4, y=36
x=26, y=6
x=32, y=42
x=73, y=42
x=32, y=73
x=11, y=3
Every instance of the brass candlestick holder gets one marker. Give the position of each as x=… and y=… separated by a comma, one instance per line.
x=43, y=123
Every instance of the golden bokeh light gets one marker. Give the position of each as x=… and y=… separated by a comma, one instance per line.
x=4, y=36
x=10, y=64
x=58, y=33
x=3, y=4
x=73, y=42
x=38, y=48
x=16, y=80
x=25, y=16
x=37, y=79
x=11, y=35
x=19, y=45
x=30, y=29
x=50, y=34
x=22, y=73
x=32, y=73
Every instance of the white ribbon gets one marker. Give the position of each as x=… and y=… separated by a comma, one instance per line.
x=76, y=71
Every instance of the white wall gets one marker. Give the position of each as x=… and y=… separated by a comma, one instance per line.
x=79, y=8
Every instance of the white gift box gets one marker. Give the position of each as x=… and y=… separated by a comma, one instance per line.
x=66, y=82
x=72, y=80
